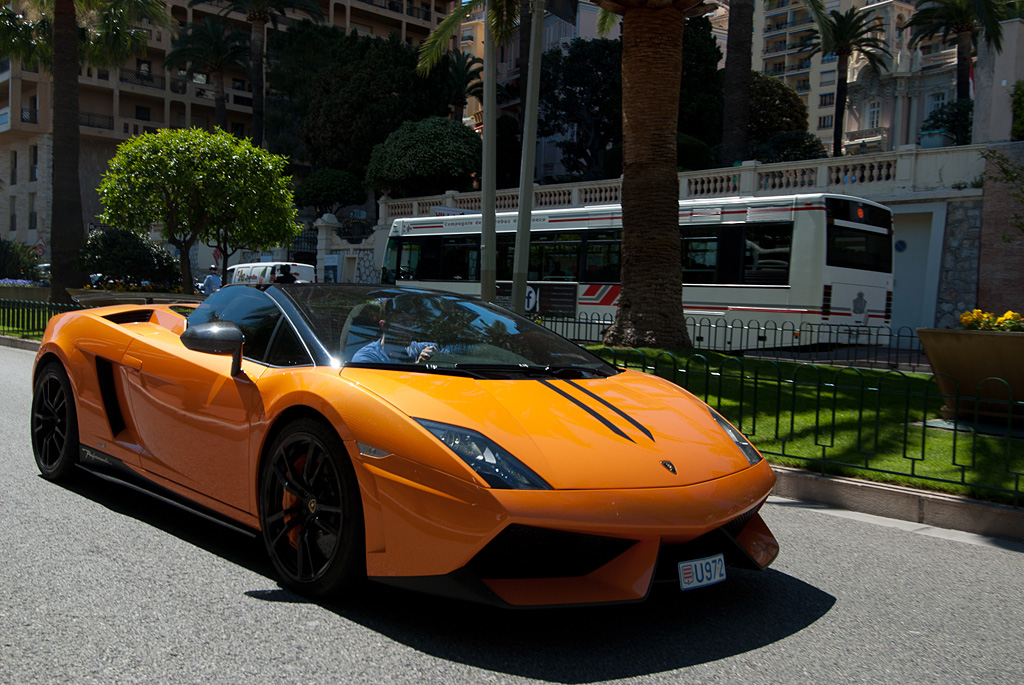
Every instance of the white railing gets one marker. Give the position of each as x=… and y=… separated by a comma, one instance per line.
x=883, y=175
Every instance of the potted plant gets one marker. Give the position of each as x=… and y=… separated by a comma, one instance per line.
x=979, y=368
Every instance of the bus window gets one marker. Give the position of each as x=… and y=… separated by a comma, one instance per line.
x=700, y=254
x=506, y=249
x=555, y=256
x=853, y=248
x=460, y=259
x=601, y=261
x=767, y=253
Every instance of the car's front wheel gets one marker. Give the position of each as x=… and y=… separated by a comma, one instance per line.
x=54, y=423
x=310, y=510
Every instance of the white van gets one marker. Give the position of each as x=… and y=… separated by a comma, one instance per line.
x=256, y=273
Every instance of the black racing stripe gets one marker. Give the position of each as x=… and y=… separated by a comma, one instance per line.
x=636, y=424
x=608, y=424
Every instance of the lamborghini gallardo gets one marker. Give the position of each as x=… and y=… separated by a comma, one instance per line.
x=405, y=436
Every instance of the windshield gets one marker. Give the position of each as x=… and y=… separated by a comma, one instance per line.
x=410, y=328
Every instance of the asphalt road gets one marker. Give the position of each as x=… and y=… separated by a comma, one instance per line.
x=102, y=585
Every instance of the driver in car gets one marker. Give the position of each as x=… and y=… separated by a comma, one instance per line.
x=382, y=352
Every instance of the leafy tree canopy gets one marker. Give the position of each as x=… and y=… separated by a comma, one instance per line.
x=328, y=190
x=348, y=93
x=18, y=261
x=788, y=146
x=956, y=118
x=199, y=185
x=581, y=92
x=128, y=257
x=775, y=108
x=700, y=88
x=425, y=158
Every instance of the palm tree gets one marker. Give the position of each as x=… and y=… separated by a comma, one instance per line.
x=650, y=304
x=210, y=46
x=58, y=34
x=844, y=35
x=959, y=21
x=504, y=20
x=464, y=76
x=259, y=13
x=736, y=82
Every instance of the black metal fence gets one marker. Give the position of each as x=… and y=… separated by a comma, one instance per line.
x=26, y=319
x=831, y=344
x=876, y=424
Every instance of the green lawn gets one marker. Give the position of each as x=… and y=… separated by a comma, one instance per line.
x=864, y=423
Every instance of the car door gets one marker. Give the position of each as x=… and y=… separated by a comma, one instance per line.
x=194, y=417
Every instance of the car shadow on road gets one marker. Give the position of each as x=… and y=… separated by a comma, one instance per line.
x=671, y=630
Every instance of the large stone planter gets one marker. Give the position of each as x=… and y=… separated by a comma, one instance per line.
x=984, y=369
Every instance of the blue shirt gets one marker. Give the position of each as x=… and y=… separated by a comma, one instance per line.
x=376, y=354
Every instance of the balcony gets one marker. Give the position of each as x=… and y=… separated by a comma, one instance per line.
x=142, y=78
x=104, y=121
x=29, y=115
x=777, y=26
x=866, y=140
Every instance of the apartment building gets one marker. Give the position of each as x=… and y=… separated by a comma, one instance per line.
x=141, y=96
x=885, y=110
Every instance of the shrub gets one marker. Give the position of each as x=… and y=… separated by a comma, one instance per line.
x=128, y=258
x=18, y=261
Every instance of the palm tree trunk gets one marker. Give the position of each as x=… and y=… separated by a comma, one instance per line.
x=650, y=305
x=259, y=30
x=736, y=82
x=964, y=47
x=66, y=229
x=842, y=65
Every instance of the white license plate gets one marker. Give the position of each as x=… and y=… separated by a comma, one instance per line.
x=701, y=572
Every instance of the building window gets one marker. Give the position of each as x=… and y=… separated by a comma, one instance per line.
x=14, y=214
x=237, y=84
x=31, y=211
x=144, y=66
x=827, y=100
x=33, y=169
x=237, y=129
x=936, y=100
x=14, y=167
x=825, y=122
x=142, y=113
x=874, y=114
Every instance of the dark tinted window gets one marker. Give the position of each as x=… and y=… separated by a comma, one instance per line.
x=248, y=308
x=853, y=248
x=286, y=349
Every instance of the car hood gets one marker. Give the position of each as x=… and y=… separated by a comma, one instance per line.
x=631, y=430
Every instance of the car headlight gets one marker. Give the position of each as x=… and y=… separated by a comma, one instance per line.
x=492, y=463
x=752, y=455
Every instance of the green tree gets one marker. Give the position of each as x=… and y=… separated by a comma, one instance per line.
x=425, y=158
x=128, y=257
x=214, y=47
x=188, y=181
x=956, y=118
x=465, y=80
x=959, y=21
x=788, y=146
x=581, y=99
x=845, y=34
x=328, y=190
x=259, y=13
x=700, y=83
x=735, y=81
x=775, y=108
x=350, y=92
x=18, y=261
x=58, y=34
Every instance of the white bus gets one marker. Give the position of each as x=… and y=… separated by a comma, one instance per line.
x=792, y=262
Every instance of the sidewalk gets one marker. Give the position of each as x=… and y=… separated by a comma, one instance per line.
x=890, y=501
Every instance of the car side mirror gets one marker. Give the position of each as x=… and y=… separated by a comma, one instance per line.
x=218, y=337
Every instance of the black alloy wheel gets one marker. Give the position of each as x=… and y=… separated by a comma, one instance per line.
x=310, y=510
x=54, y=423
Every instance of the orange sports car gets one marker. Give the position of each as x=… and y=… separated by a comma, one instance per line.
x=413, y=437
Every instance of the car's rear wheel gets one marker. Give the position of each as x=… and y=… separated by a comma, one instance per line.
x=310, y=510
x=54, y=423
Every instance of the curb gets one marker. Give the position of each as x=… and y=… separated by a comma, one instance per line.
x=902, y=503
x=890, y=501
